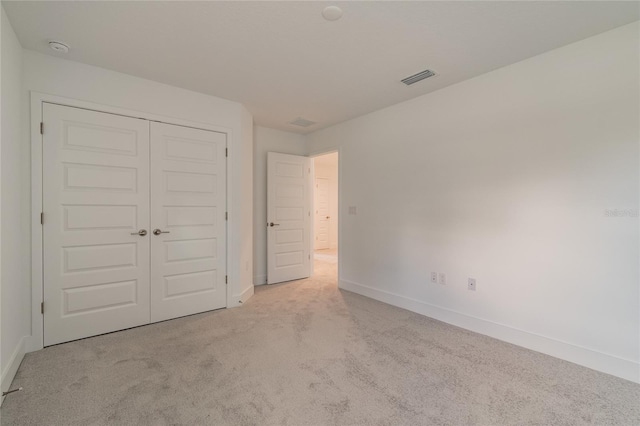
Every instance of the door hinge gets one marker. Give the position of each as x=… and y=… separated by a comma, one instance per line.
x=42, y=307
x=309, y=256
x=226, y=279
x=41, y=218
x=41, y=128
x=226, y=152
x=226, y=215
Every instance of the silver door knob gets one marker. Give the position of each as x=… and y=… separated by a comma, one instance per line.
x=141, y=232
x=159, y=231
x=273, y=224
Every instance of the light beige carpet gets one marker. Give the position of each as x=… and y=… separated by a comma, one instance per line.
x=306, y=353
x=328, y=256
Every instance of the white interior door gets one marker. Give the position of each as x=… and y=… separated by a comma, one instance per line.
x=321, y=202
x=288, y=217
x=188, y=205
x=95, y=199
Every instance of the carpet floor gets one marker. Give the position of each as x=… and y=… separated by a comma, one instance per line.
x=307, y=353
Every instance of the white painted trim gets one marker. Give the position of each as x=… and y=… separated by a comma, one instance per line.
x=12, y=366
x=60, y=100
x=37, y=319
x=312, y=219
x=32, y=343
x=36, y=342
x=600, y=361
x=260, y=279
x=243, y=297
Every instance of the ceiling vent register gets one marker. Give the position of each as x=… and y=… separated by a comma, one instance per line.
x=302, y=122
x=418, y=77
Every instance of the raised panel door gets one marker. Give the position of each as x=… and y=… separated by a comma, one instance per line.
x=95, y=200
x=188, y=200
x=288, y=215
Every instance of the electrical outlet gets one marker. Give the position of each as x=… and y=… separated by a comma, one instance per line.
x=442, y=278
x=471, y=284
x=434, y=277
x=353, y=210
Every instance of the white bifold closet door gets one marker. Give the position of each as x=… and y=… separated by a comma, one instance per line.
x=109, y=181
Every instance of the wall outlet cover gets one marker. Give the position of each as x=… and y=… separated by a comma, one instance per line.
x=434, y=277
x=442, y=278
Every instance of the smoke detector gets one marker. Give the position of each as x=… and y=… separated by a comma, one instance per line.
x=332, y=13
x=418, y=77
x=58, y=46
x=302, y=122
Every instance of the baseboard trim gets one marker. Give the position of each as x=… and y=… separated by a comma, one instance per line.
x=32, y=344
x=603, y=362
x=244, y=296
x=12, y=366
x=259, y=279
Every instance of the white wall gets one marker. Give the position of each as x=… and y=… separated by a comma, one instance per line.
x=330, y=171
x=267, y=140
x=15, y=287
x=60, y=77
x=3, y=19
x=506, y=178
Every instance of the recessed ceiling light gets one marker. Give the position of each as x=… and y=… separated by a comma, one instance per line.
x=58, y=46
x=332, y=13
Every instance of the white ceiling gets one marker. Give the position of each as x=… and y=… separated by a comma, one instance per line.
x=283, y=60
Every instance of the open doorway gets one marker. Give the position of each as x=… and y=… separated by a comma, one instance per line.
x=325, y=217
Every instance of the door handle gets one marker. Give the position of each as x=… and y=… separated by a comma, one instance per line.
x=159, y=231
x=273, y=224
x=141, y=232
x=328, y=217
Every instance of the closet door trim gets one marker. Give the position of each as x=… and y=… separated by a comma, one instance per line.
x=36, y=340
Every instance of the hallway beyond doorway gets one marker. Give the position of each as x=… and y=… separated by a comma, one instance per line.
x=326, y=255
x=325, y=201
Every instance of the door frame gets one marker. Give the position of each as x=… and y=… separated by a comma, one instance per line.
x=36, y=340
x=312, y=235
x=315, y=214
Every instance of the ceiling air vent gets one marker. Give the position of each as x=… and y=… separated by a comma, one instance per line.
x=418, y=77
x=302, y=122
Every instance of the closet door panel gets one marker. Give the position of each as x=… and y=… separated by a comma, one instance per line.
x=188, y=204
x=95, y=200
